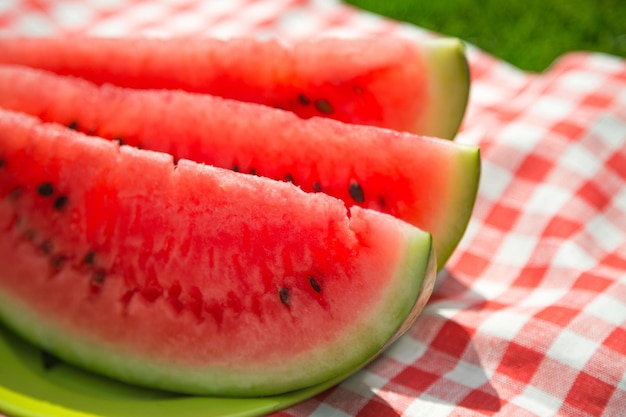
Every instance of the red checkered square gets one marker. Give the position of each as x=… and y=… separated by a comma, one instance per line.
x=616, y=260
x=593, y=194
x=520, y=362
x=589, y=394
x=531, y=277
x=502, y=216
x=604, y=365
x=416, y=380
x=561, y=227
x=471, y=264
x=377, y=408
x=616, y=340
x=534, y=168
x=570, y=129
x=558, y=315
x=592, y=282
x=483, y=402
x=599, y=99
x=618, y=164
x=451, y=339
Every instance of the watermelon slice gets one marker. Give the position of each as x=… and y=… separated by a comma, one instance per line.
x=430, y=183
x=416, y=86
x=194, y=278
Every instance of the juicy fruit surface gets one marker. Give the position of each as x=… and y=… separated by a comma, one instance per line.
x=194, y=278
x=420, y=87
x=428, y=182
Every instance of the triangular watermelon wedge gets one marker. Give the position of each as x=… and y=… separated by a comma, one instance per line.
x=194, y=278
x=428, y=182
x=419, y=86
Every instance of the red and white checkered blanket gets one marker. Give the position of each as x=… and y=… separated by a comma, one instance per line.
x=529, y=317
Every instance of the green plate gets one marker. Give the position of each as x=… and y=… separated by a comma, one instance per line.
x=31, y=386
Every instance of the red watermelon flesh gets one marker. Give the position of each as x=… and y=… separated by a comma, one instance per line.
x=428, y=182
x=421, y=87
x=194, y=278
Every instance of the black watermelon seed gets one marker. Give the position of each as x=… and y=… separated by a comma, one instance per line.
x=98, y=276
x=323, y=106
x=252, y=171
x=304, y=100
x=45, y=189
x=73, y=125
x=317, y=187
x=284, y=295
x=235, y=168
x=2, y=163
x=60, y=202
x=289, y=178
x=46, y=246
x=314, y=284
x=48, y=360
x=57, y=261
x=356, y=192
x=119, y=140
x=89, y=258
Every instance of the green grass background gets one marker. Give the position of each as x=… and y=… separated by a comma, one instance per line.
x=530, y=34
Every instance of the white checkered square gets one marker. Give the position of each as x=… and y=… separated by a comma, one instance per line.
x=582, y=160
x=493, y=180
x=619, y=201
x=572, y=349
x=430, y=407
x=182, y=24
x=325, y=410
x=538, y=402
x=406, y=350
x=551, y=108
x=572, y=255
x=607, y=235
x=523, y=136
x=366, y=383
x=145, y=13
x=490, y=288
x=8, y=5
x=608, y=309
x=73, y=15
x=547, y=199
x=516, y=250
x=542, y=297
x=467, y=374
x=611, y=129
x=577, y=83
x=503, y=324
x=105, y=5
x=297, y=23
x=33, y=24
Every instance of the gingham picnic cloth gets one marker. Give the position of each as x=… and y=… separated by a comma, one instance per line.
x=529, y=316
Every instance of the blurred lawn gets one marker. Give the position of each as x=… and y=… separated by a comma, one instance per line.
x=527, y=33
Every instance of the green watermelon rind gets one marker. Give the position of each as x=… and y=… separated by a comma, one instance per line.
x=455, y=221
x=449, y=85
x=401, y=305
